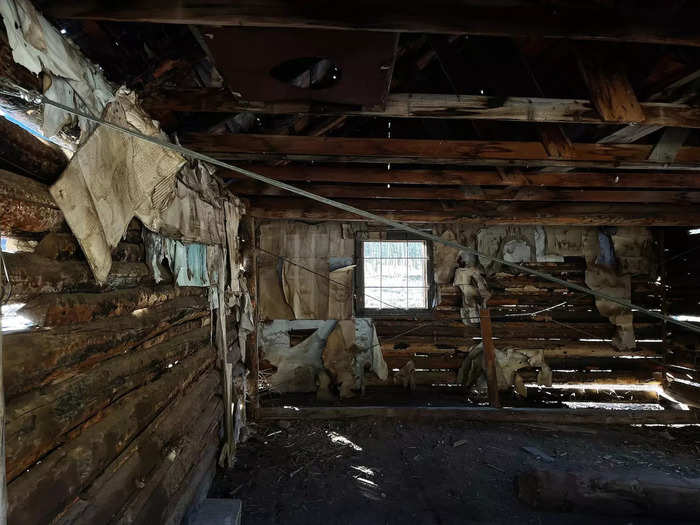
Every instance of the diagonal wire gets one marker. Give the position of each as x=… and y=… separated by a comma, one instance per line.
x=39, y=98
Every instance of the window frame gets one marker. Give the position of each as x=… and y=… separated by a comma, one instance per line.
x=392, y=236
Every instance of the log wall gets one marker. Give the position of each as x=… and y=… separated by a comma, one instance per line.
x=575, y=338
x=114, y=400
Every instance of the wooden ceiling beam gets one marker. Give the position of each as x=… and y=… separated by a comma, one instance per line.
x=471, y=193
x=451, y=177
x=482, y=212
x=417, y=105
x=611, y=92
x=581, y=21
x=416, y=151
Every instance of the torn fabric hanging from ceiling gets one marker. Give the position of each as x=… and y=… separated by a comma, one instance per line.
x=113, y=177
x=70, y=78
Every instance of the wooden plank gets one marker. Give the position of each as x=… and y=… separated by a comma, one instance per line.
x=419, y=105
x=455, y=177
x=633, y=133
x=669, y=144
x=501, y=415
x=412, y=151
x=471, y=193
x=482, y=212
x=524, y=19
x=611, y=92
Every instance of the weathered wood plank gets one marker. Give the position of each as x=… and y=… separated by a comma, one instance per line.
x=178, y=423
x=423, y=105
x=476, y=212
x=504, y=415
x=455, y=177
x=610, y=89
x=38, y=421
x=40, y=494
x=412, y=151
x=33, y=275
x=27, y=206
x=60, y=350
x=524, y=19
x=73, y=308
x=472, y=193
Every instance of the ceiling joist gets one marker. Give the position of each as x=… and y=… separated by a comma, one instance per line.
x=578, y=20
x=445, y=152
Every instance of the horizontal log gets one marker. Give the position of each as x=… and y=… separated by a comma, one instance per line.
x=552, y=214
x=440, y=332
x=22, y=151
x=616, y=377
x=199, y=480
x=647, y=494
x=551, y=349
x=420, y=105
x=27, y=206
x=685, y=393
x=423, y=151
x=165, y=486
x=140, y=460
x=39, y=357
x=72, y=308
x=32, y=275
x=38, y=421
x=471, y=193
x=595, y=21
x=455, y=177
x=39, y=495
x=502, y=415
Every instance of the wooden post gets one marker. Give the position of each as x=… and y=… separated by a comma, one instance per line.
x=249, y=254
x=3, y=478
x=489, y=357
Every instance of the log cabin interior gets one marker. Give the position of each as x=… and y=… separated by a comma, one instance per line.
x=304, y=262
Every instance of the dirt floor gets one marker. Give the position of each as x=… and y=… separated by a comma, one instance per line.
x=388, y=471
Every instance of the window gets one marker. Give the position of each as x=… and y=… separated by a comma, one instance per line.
x=395, y=275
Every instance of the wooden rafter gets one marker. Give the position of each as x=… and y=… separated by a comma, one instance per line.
x=412, y=151
x=452, y=177
x=595, y=214
x=417, y=105
x=582, y=21
x=474, y=193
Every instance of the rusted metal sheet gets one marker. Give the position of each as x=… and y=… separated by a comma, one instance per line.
x=246, y=56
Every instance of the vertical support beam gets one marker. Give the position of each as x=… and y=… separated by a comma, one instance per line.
x=250, y=261
x=489, y=357
x=3, y=475
x=611, y=91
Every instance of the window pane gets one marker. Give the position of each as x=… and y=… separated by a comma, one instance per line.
x=373, y=270
x=372, y=297
x=417, y=298
x=371, y=249
x=393, y=249
x=416, y=272
x=394, y=298
x=415, y=249
x=394, y=272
